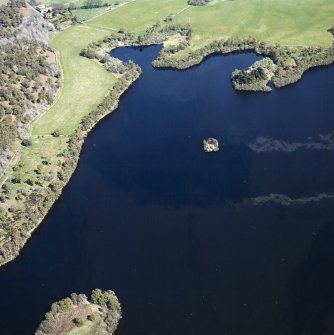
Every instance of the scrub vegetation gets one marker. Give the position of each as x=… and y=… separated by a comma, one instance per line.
x=43, y=160
x=29, y=75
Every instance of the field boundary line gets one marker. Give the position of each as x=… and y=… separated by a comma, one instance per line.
x=112, y=9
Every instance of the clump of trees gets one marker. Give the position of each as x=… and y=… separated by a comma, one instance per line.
x=10, y=17
x=88, y=4
x=56, y=133
x=70, y=308
x=155, y=34
x=26, y=142
x=7, y=133
x=247, y=77
x=198, y=2
x=256, y=77
x=166, y=57
x=93, y=4
x=110, y=306
x=160, y=32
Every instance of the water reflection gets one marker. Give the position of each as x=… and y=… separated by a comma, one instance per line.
x=285, y=200
x=265, y=144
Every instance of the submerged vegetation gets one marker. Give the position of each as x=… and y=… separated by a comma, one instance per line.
x=97, y=316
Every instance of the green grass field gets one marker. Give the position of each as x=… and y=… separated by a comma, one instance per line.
x=139, y=14
x=85, y=82
x=297, y=22
x=87, y=14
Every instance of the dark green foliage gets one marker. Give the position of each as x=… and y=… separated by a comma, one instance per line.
x=111, y=307
x=26, y=143
x=198, y=2
x=88, y=52
x=29, y=182
x=169, y=18
x=160, y=32
x=5, y=188
x=7, y=133
x=56, y=133
x=331, y=30
x=79, y=321
x=247, y=77
x=92, y=4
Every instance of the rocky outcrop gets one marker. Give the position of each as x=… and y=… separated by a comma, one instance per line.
x=35, y=29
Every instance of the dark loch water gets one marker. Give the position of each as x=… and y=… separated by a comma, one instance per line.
x=234, y=243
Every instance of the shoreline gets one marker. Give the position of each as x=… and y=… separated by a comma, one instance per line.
x=38, y=203
x=75, y=142
x=283, y=76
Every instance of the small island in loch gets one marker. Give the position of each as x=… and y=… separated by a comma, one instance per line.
x=77, y=314
x=211, y=145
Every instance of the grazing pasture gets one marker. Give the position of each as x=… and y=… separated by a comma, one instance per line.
x=298, y=22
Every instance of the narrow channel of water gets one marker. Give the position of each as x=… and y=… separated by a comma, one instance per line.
x=238, y=242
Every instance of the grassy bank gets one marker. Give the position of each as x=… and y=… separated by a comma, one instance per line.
x=85, y=82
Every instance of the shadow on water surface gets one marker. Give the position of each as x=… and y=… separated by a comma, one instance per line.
x=151, y=216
